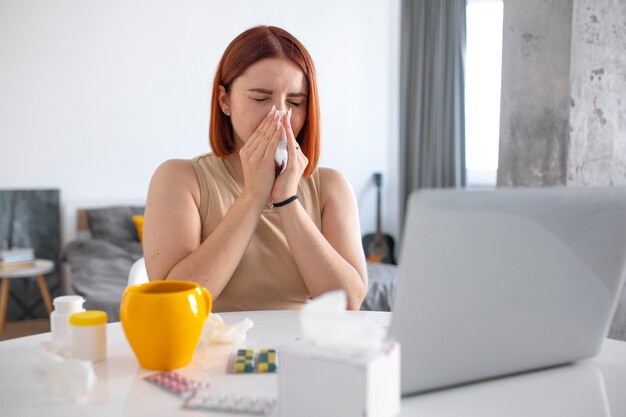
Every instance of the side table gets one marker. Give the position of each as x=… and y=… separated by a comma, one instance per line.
x=41, y=268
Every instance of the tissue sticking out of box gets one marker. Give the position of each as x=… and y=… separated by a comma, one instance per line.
x=218, y=332
x=281, y=155
x=326, y=324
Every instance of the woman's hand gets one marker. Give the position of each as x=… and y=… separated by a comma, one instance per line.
x=257, y=157
x=286, y=183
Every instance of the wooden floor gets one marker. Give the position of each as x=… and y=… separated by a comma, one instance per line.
x=13, y=329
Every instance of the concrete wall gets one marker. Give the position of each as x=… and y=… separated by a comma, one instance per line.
x=535, y=92
x=563, y=109
x=597, y=152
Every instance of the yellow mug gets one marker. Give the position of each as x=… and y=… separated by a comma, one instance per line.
x=163, y=321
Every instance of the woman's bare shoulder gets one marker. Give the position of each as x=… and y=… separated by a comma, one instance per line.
x=333, y=184
x=330, y=175
x=177, y=175
x=177, y=167
x=175, y=170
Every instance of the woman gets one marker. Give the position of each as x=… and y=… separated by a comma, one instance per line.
x=211, y=219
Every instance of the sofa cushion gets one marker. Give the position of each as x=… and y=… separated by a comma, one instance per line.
x=114, y=223
x=138, y=219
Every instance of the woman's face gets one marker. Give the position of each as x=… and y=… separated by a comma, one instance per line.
x=271, y=81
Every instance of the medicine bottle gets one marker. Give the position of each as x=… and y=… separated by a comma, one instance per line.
x=89, y=335
x=64, y=307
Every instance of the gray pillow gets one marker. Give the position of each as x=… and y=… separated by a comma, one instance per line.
x=114, y=223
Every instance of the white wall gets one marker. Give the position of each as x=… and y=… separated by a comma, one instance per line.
x=95, y=95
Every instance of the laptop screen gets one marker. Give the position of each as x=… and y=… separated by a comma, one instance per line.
x=503, y=281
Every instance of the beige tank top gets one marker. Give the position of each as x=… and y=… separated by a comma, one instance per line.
x=267, y=277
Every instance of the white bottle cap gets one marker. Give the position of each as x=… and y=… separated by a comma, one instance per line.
x=68, y=303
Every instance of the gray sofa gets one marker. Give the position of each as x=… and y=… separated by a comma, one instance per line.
x=98, y=266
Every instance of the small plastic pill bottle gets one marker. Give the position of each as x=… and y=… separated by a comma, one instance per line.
x=64, y=307
x=89, y=335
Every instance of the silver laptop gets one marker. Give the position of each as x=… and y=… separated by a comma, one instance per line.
x=497, y=282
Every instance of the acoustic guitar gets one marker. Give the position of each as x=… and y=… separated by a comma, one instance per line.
x=379, y=246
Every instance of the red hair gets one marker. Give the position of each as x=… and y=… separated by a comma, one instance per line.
x=251, y=46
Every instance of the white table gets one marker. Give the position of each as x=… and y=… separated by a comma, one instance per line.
x=594, y=387
x=41, y=268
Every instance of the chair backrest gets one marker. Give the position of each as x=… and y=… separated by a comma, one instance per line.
x=138, y=273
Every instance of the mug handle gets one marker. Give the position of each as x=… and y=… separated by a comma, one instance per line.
x=208, y=299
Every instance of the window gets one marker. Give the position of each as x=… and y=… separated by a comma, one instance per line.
x=483, y=67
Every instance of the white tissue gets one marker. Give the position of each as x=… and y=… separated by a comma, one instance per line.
x=326, y=324
x=281, y=155
x=218, y=332
x=70, y=378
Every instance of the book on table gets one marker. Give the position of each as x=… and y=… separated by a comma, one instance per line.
x=13, y=266
x=16, y=258
x=17, y=254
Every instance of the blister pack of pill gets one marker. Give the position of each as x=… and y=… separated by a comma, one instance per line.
x=177, y=384
x=200, y=396
x=233, y=403
x=247, y=361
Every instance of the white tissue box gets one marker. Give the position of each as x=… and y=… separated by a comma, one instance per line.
x=316, y=383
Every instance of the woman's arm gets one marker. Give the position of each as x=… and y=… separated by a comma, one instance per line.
x=172, y=240
x=333, y=258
